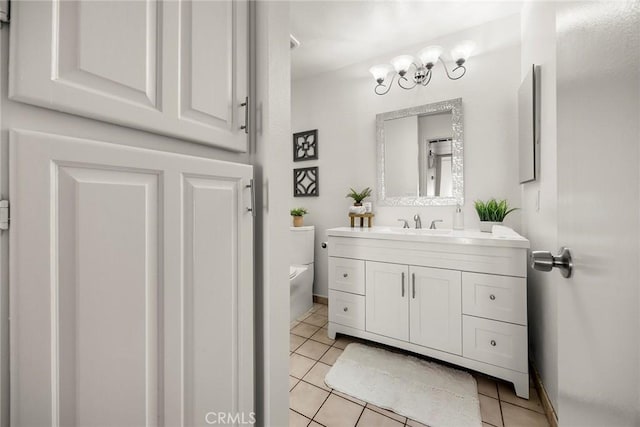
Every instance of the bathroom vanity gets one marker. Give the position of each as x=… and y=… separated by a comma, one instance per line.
x=456, y=296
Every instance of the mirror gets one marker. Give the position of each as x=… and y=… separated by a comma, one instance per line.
x=529, y=125
x=420, y=155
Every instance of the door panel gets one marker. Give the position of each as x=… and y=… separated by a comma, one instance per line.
x=89, y=61
x=131, y=285
x=173, y=68
x=435, y=308
x=207, y=35
x=598, y=130
x=211, y=298
x=107, y=265
x=386, y=300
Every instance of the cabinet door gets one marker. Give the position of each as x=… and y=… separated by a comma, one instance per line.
x=387, y=290
x=130, y=283
x=435, y=309
x=177, y=68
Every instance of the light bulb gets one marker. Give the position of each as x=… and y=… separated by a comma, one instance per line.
x=430, y=55
x=380, y=72
x=402, y=63
x=463, y=50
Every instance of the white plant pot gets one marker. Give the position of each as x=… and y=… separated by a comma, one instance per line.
x=487, y=226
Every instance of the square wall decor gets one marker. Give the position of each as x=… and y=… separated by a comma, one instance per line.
x=305, y=145
x=305, y=182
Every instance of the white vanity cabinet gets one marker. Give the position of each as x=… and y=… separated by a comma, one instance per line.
x=416, y=304
x=456, y=296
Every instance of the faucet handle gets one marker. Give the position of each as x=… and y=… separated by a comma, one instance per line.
x=433, y=224
x=406, y=223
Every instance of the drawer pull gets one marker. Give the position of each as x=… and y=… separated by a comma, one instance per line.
x=492, y=297
x=493, y=343
x=413, y=285
x=345, y=275
x=403, y=284
x=345, y=309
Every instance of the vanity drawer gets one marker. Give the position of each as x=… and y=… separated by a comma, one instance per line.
x=495, y=297
x=346, y=275
x=497, y=343
x=346, y=309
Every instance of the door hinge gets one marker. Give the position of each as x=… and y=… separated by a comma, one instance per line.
x=4, y=215
x=4, y=11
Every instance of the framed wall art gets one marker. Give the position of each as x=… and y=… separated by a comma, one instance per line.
x=305, y=145
x=305, y=182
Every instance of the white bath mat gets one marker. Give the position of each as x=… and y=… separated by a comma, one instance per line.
x=427, y=392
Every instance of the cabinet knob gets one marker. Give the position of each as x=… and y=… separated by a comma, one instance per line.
x=345, y=275
x=492, y=297
x=345, y=309
x=493, y=343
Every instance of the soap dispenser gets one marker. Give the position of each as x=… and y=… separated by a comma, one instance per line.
x=458, y=218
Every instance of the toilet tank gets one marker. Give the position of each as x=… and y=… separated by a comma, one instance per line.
x=301, y=245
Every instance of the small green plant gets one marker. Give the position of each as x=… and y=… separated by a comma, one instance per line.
x=493, y=210
x=358, y=197
x=298, y=212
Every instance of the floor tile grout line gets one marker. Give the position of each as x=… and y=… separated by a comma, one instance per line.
x=305, y=340
x=316, y=360
x=360, y=416
x=323, y=402
x=348, y=400
x=303, y=415
x=521, y=407
x=500, y=403
x=384, y=415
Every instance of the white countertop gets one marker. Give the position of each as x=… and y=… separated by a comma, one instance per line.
x=501, y=237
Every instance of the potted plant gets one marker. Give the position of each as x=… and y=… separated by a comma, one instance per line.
x=492, y=212
x=297, y=214
x=358, y=197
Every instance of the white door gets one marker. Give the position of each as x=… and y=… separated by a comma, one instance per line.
x=435, y=310
x=386, y=306
x=130, y=283
x=598, y=90
x=177, y=68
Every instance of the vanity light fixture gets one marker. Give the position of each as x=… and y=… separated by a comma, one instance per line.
x=421, y=67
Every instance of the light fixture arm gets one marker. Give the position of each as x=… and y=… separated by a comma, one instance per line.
x=406, y=80
x=382, y=85
x=459, y=66
x=427, y=78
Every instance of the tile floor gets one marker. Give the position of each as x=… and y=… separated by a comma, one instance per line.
x=314, y=404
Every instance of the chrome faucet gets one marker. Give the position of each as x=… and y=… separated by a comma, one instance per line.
x=406, y=224
x=433, y=224
x=418, y=221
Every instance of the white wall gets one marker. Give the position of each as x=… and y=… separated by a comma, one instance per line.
x=539, y=198
x=343, y=106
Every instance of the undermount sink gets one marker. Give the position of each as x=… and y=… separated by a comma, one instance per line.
x=414, y=231
x=427, y=231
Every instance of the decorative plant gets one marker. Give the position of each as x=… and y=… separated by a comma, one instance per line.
x=298, y=212
x=358, y=197
x=493, y=210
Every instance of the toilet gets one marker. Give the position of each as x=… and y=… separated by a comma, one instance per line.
x=301, y=270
